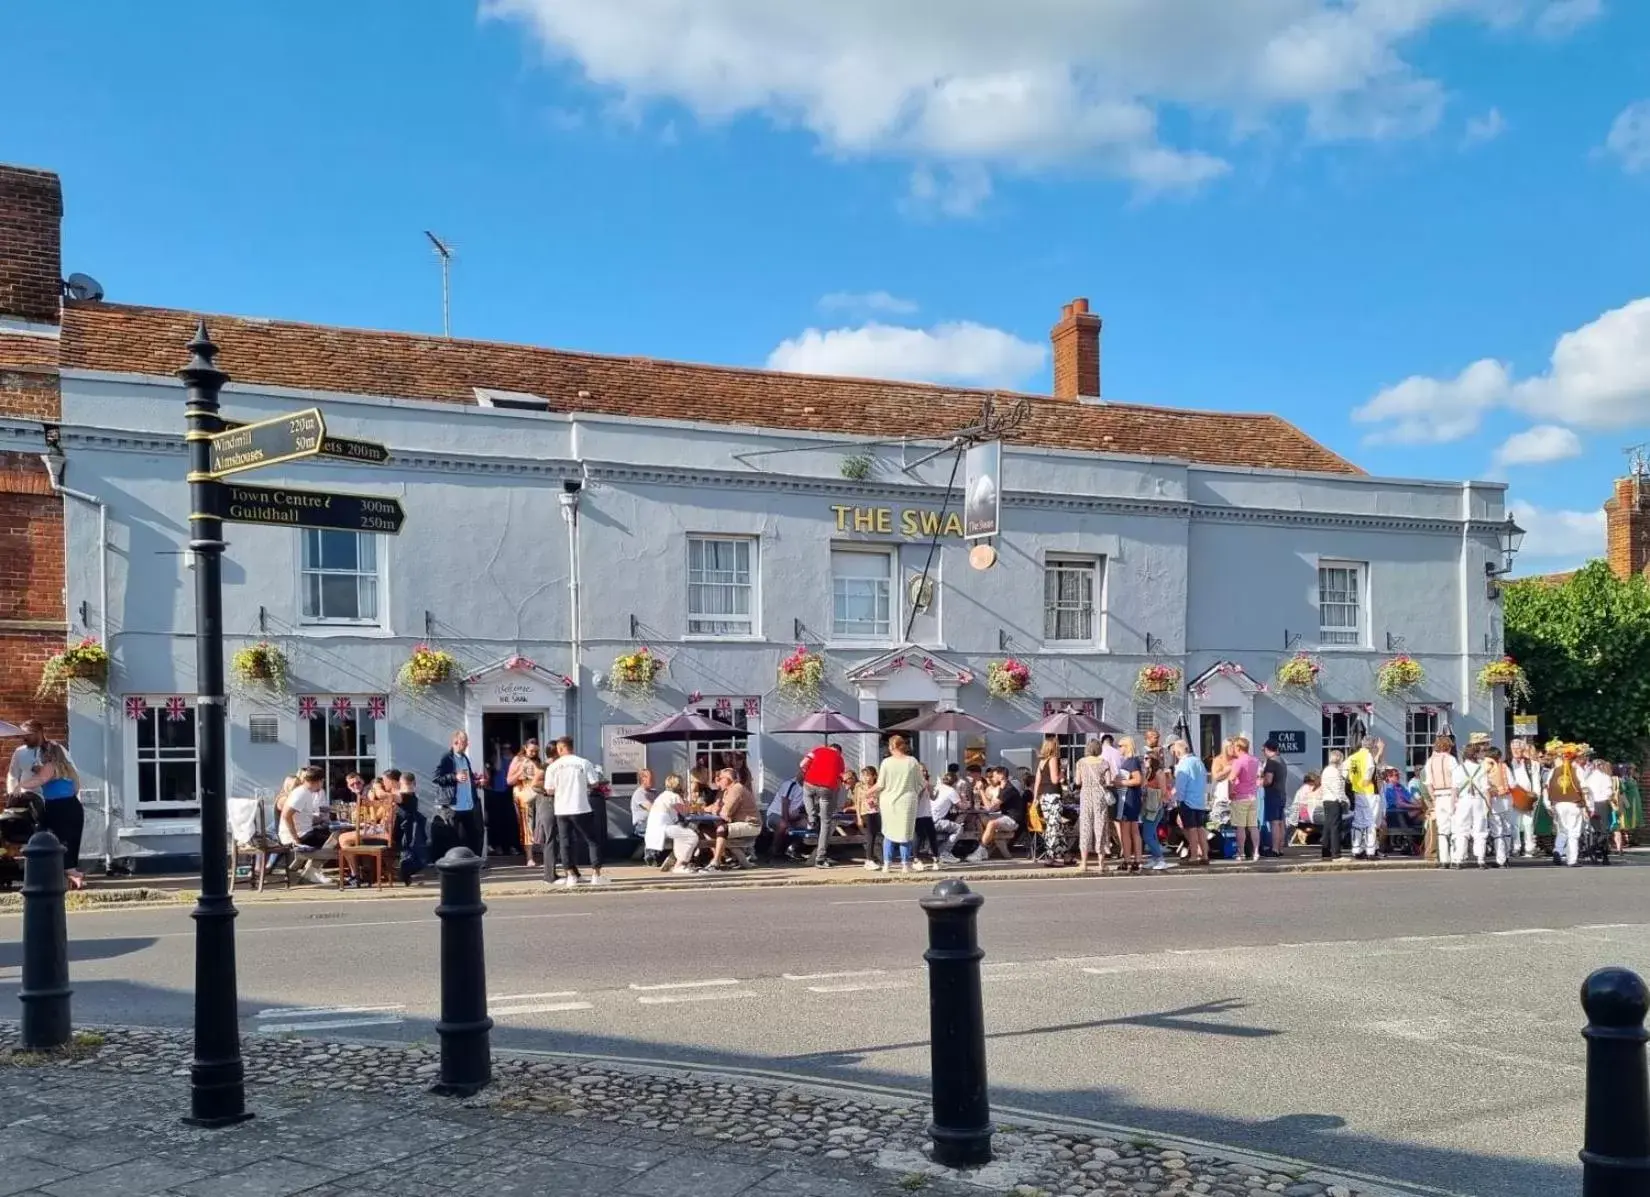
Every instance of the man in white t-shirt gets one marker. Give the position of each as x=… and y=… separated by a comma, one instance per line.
x=947, y=826
x=26, y=755
x=568, y=779
x=305, y=823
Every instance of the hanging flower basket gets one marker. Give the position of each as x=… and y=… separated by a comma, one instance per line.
x=1506, y=674
x=260, y=664
x=635, y=673
x=1399, y=675
x=1158, y=679
x=1004, y=679
x=87, y=661
x=426, y=667
x=802, y=674
x=1299, y=672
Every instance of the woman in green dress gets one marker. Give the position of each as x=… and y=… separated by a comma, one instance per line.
x=898, y=781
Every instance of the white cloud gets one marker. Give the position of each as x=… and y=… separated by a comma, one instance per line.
x=949, y=191
x=1629, y=138
x=1557, y=539
x=1598, y=377
x=1024, y=84
x=1486, y=127
x=1563, y=17
x=867, y=301
x=1420, y=409
x=1537, y=446
x=957, y=352
x=1600, y=373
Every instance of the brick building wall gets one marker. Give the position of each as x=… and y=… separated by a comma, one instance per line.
x=33, y=623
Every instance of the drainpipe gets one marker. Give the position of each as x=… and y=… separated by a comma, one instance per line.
x=1466, y=582
x=56, y=466
x=569, y=499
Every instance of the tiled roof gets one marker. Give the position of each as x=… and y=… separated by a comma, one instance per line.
x=140, y=340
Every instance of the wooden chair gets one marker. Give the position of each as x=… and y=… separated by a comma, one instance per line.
x=250, y=841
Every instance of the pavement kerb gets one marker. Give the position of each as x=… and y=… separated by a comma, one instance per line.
x=1367, y=1186
x=760, y=878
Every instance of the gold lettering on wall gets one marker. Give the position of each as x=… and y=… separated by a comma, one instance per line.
x=914, y=522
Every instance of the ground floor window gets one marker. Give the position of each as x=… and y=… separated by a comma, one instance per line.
x=1423, y=725
x=167, y=756
x=1072, y=747
x=1343, y=727
x=343, y=738
x=709, y=757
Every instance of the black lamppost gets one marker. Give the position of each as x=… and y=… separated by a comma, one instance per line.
x=217, y=1083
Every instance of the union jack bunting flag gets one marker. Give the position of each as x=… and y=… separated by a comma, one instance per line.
x=724, y=706
x=343, y=707
x=377, y=705
x=137, y=707
x=307, y=707
x=176, y=707
x=753, y=708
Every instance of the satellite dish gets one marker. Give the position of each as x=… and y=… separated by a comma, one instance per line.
x=83, y=286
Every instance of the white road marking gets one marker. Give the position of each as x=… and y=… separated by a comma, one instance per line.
x=1426, y=938
x=665, y=999
x=1529, y=931
x=1120, y=968
x=541, y=1008
x=720, y=981
x=335, y=1011
x=879, y=902
x=505, y=998
x=861, y=987
x=1606, y=926
x=303, y=1028
x=867, y=972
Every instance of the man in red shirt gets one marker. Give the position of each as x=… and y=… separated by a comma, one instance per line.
x=822, y=771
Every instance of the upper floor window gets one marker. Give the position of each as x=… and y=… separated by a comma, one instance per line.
x=1071, y=589
x=1342, y=603
x=340, y=576
x=862, y=606
x=721, y=586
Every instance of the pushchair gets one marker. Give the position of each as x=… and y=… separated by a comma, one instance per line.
x=1594, y=842
x=24, y=814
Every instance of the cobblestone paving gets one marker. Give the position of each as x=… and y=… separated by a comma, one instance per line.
x=346, y=1120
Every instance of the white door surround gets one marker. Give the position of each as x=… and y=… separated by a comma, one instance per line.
x=1224, y=688
x=913, y=677
x=523, y=688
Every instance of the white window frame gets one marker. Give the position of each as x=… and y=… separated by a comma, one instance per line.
x=1417, y=748
x=1345, y=741
x=896, y=601
x=1361, y=632
x=379, y=573
x=1075, y=746
x=323, y=710
x=141, y=814
x=753, y=629
x=1097, y=616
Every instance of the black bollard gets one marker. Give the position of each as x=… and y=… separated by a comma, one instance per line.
x=45, y=989
x=962, y=1128
x=1615, y=1153
x=466, y=1049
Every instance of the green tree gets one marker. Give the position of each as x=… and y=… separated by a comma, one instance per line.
x=1585, y=644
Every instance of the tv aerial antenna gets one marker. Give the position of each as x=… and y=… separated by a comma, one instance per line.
x=1638, y=459
x=445, y=253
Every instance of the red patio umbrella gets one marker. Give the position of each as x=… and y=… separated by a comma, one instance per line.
x=826, y=722
x=946, y=721
x=683, y=726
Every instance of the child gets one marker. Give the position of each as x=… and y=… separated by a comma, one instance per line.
x=411, y=830
x=1308, y=808
x=868, y=814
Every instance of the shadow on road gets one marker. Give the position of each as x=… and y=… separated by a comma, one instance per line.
x=81, y=951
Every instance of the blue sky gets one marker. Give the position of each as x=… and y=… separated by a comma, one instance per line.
x=1379, y=218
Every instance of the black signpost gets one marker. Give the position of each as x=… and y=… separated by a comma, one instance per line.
x=217, y=1079
x=296, y=508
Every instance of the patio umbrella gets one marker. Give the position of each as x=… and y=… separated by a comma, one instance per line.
x=945, y=721
x=683, y=726
x=9, y=729
x=826, y=722
x=1071, y=723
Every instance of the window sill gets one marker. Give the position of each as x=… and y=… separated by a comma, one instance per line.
x=1342, y=648
x=732, y=638
x=156, y=827
x=1071, y=649
x=375, y=631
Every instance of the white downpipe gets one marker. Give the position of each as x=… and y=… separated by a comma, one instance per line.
x=55, y=469
x=1466, y=602
x=569, y=500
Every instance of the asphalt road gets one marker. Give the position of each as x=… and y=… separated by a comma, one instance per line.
x=1419, y=1025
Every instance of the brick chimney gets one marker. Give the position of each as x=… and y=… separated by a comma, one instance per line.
x=1627, y=526
x=1077, y=353
x=31, y=257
